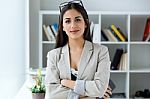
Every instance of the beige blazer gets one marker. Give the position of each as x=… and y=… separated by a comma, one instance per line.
x=93, y=72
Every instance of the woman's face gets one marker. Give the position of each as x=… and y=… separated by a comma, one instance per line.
x=73, y=24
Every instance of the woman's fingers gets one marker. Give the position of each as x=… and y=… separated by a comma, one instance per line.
x=109, y=88
x=108, y=93
x=106, y=96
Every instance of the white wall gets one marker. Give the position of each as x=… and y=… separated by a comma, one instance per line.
x=104, y=5
x=12, y=47
x=34, y=6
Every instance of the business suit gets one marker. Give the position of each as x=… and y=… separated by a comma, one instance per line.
x=93, y=72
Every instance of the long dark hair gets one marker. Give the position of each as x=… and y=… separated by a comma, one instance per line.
x=62, y=37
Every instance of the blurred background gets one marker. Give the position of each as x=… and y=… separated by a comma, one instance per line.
x=14, y=40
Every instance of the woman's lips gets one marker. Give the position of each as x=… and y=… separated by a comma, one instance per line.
x=74, y=31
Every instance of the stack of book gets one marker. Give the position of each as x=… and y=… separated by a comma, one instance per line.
x=50, y=31
x=94, y=31
x=120, y=60
x=113, y=34
x=146, y=34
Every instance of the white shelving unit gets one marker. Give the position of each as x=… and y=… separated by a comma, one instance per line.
x=131, y=23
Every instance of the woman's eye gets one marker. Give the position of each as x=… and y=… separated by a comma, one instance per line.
x=67, y=21
x=78, y=20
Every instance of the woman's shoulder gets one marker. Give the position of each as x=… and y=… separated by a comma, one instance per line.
x=54, y=51
x=99, y=46
x=100, y=50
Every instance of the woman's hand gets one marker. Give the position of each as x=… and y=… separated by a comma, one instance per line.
x=108, y=93
x=71, y=84
x=68, y=83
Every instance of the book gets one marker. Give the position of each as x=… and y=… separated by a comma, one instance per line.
x=148, y=38
x=116, y=59
x=46, y=32
x=112, y=31
x=109, y=35
x=54, y=28
x=103, y=36
x=147, y=29
x=114, y=28
x=91, y=28
x=96, y=33
x=126, y=39
x=50, y=33
x=123, y=62
x=112, y=85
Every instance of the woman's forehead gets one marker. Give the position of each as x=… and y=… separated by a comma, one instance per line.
x=72, y=13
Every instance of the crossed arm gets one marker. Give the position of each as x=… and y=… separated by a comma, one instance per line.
x=54, y=85
x=71, y=84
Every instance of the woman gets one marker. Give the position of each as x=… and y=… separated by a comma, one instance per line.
x=77, y=68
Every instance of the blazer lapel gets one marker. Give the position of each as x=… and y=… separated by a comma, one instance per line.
x=66, y=61
x=85, y=56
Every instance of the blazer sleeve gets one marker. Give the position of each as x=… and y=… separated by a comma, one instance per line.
x=54, y=90
x=98, y=86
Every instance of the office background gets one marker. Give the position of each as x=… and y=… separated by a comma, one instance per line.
x=14, y=41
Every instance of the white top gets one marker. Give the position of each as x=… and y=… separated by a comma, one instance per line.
x=74, y=72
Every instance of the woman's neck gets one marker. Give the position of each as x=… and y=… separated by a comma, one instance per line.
x=76, y=44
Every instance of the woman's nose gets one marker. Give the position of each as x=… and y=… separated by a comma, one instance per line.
x=73, y=24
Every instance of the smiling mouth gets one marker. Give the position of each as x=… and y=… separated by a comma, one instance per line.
x=74, y=31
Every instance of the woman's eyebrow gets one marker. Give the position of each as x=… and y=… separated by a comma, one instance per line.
x=66, y=18
x=70, y=18
x=77, y=17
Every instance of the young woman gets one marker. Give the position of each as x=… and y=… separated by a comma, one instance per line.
x=77, y=68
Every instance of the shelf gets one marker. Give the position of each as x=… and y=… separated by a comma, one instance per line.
x=139, y=81
x=109, y=42
x=118, y=71
x=132, y=25
x=140, y=70
x=139, y=42
x=138, y=51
